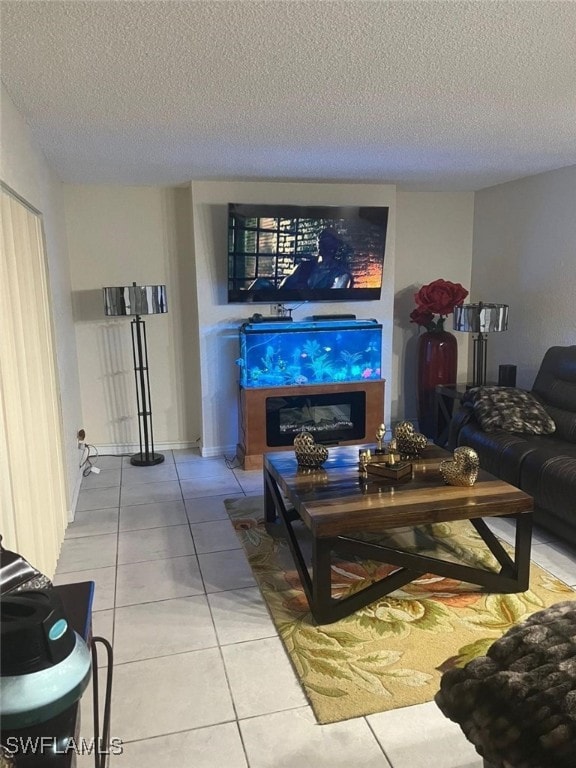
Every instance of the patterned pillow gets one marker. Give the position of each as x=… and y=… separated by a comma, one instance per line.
x=510, y=409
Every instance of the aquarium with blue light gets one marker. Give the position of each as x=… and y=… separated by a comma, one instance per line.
x=280, y=354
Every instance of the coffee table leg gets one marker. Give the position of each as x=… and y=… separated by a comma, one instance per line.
x=321, y=602
x=514, y=575
x=270, y=513
x=522, y=548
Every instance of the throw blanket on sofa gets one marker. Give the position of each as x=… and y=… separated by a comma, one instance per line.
x=517, y=705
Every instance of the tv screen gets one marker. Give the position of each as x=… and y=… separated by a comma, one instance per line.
x=288, y=253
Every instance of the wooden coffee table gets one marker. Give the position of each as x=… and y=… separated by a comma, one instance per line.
x=335, y=504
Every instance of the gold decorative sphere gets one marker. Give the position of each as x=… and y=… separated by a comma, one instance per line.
x=409, y=442
x=463, y=469
x=308, y=453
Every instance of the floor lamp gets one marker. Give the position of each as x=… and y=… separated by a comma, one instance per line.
x=139, y=300
x=481, y=319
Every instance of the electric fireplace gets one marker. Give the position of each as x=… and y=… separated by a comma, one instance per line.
x=330, y=418
x=336, y=414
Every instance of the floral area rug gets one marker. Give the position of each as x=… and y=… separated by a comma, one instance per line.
x=393, y=652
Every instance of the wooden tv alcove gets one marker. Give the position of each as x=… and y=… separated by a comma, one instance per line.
x=252, y=415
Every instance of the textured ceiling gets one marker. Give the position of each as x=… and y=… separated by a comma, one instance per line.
x=443, y=95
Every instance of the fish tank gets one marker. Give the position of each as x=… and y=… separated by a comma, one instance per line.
x=280, y=354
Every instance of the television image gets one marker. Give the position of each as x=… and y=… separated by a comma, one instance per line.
x=290, y=253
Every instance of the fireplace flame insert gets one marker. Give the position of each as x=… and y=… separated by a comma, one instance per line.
x=330, y=418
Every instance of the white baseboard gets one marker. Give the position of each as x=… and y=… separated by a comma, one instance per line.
x=229, y=451
x=118, y=449
x=115, y=449
x=75, y=494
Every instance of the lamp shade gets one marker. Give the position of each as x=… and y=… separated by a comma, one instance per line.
x=481, y=318
x=135, y=300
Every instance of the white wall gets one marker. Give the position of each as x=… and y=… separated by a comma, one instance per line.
x=24, y=169
x=178, y=236
x=525, y=256
x=433, y=240
x=118, y=235
x=220, y=320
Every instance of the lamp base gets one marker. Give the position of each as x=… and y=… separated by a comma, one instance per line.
x=146, y=460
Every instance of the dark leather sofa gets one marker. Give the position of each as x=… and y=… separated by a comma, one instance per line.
x=543, y=466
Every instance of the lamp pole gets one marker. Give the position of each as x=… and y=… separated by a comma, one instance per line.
x=480, y=349
x=146, y=457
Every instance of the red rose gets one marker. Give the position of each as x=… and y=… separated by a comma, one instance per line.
x=440, y=297
x=421, y=316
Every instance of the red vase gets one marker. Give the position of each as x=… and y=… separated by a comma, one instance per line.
x=437, y=364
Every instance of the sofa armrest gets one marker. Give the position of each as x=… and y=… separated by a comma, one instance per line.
x=464, y=415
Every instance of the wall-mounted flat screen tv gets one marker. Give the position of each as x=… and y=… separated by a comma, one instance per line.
x=290, y=253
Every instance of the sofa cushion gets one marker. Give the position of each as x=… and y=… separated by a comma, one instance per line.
x=511, y=410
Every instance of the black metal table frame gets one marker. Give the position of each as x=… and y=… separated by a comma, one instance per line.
x=513, y=576
x=445, y=398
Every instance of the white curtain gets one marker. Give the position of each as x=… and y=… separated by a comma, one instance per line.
x=33, y=500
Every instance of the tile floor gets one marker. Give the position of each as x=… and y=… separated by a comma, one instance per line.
x=201, y=679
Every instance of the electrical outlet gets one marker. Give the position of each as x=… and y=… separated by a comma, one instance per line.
x=81, y=435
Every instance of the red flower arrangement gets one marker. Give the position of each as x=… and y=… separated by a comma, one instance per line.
x=437, y=298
